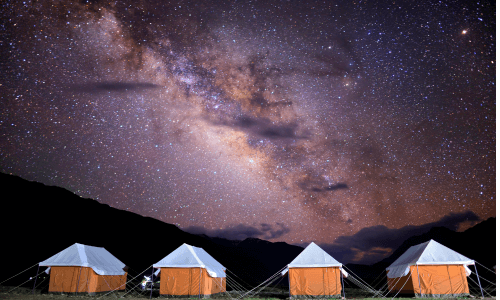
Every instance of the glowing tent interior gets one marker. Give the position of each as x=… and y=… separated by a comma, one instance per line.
x=314, y=274
x=85, y=269
x=190, y=271
x=430, y=270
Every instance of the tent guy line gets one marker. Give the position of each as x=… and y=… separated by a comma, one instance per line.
x=428, y=270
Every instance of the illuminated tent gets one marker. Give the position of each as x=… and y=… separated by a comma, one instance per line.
x=190, y=271
x=314, y=274
x=430, y=270
x=85, y=269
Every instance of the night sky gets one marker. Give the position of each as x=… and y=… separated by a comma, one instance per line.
x=283, y=120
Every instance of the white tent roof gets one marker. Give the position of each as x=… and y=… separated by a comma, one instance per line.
x=428, y=253
x=313, y=256
x=97, y=258
x=187, y=256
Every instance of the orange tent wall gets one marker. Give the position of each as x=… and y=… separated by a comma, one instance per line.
x=212, y=285
x=189, y=281
x=434, y=280
x=105, y=283
x=404, y=284
x=83, y=280
x=315, y=281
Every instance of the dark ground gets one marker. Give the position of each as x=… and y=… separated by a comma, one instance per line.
x=24, y=293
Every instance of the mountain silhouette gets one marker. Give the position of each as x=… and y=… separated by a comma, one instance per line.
x=42, y=220
x=39, y=221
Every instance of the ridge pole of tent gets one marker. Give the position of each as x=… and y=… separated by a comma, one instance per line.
x=482, y=295
x=152, y=281
x=78, y=282
x=342, y=279
x=33, y=292
x=418, y=274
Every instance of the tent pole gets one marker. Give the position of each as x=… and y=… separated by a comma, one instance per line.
x=289, y=287
x=482, y=295
x=464, y=276
x=420, y=287
x=199, y=286
x=152, y=281
x=37, y=277
x=87, y=284
x=78, y=282
x=342, y=278
x=324, y=289
x=449, y=276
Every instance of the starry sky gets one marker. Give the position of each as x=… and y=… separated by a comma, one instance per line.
x=291, y=121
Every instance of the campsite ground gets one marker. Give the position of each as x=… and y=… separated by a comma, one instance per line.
x=109, y=297
x=26, y=294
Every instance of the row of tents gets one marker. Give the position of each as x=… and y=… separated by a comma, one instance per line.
x=426, y=270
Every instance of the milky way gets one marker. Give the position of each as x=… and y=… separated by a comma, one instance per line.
x=287, y=121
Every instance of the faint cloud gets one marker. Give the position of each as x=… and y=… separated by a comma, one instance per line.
x=240, y=232
x=112, y=86
x=319, y=184
x=372, y=244
x=372, y=254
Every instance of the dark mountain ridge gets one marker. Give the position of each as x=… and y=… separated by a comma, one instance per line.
x=477, y=243
x=43, y=220
x=39, y=221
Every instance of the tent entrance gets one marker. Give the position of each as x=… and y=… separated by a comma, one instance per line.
x=189, y=282
x=315, y=282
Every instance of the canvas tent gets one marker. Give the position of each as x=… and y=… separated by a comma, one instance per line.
x=85, y=269
x=430, y=270
x=314, y=274
x=190, y=271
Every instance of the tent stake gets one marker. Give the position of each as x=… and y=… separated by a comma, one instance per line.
x=342, y=278
x=418, y=274
x=482, y=295
x=37, y=277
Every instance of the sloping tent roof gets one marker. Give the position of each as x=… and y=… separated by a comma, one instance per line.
x=187, y=256
x=428, y=253
x=97, y=258
x=313, y=256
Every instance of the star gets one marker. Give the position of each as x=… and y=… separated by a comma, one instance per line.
x=342, y=117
